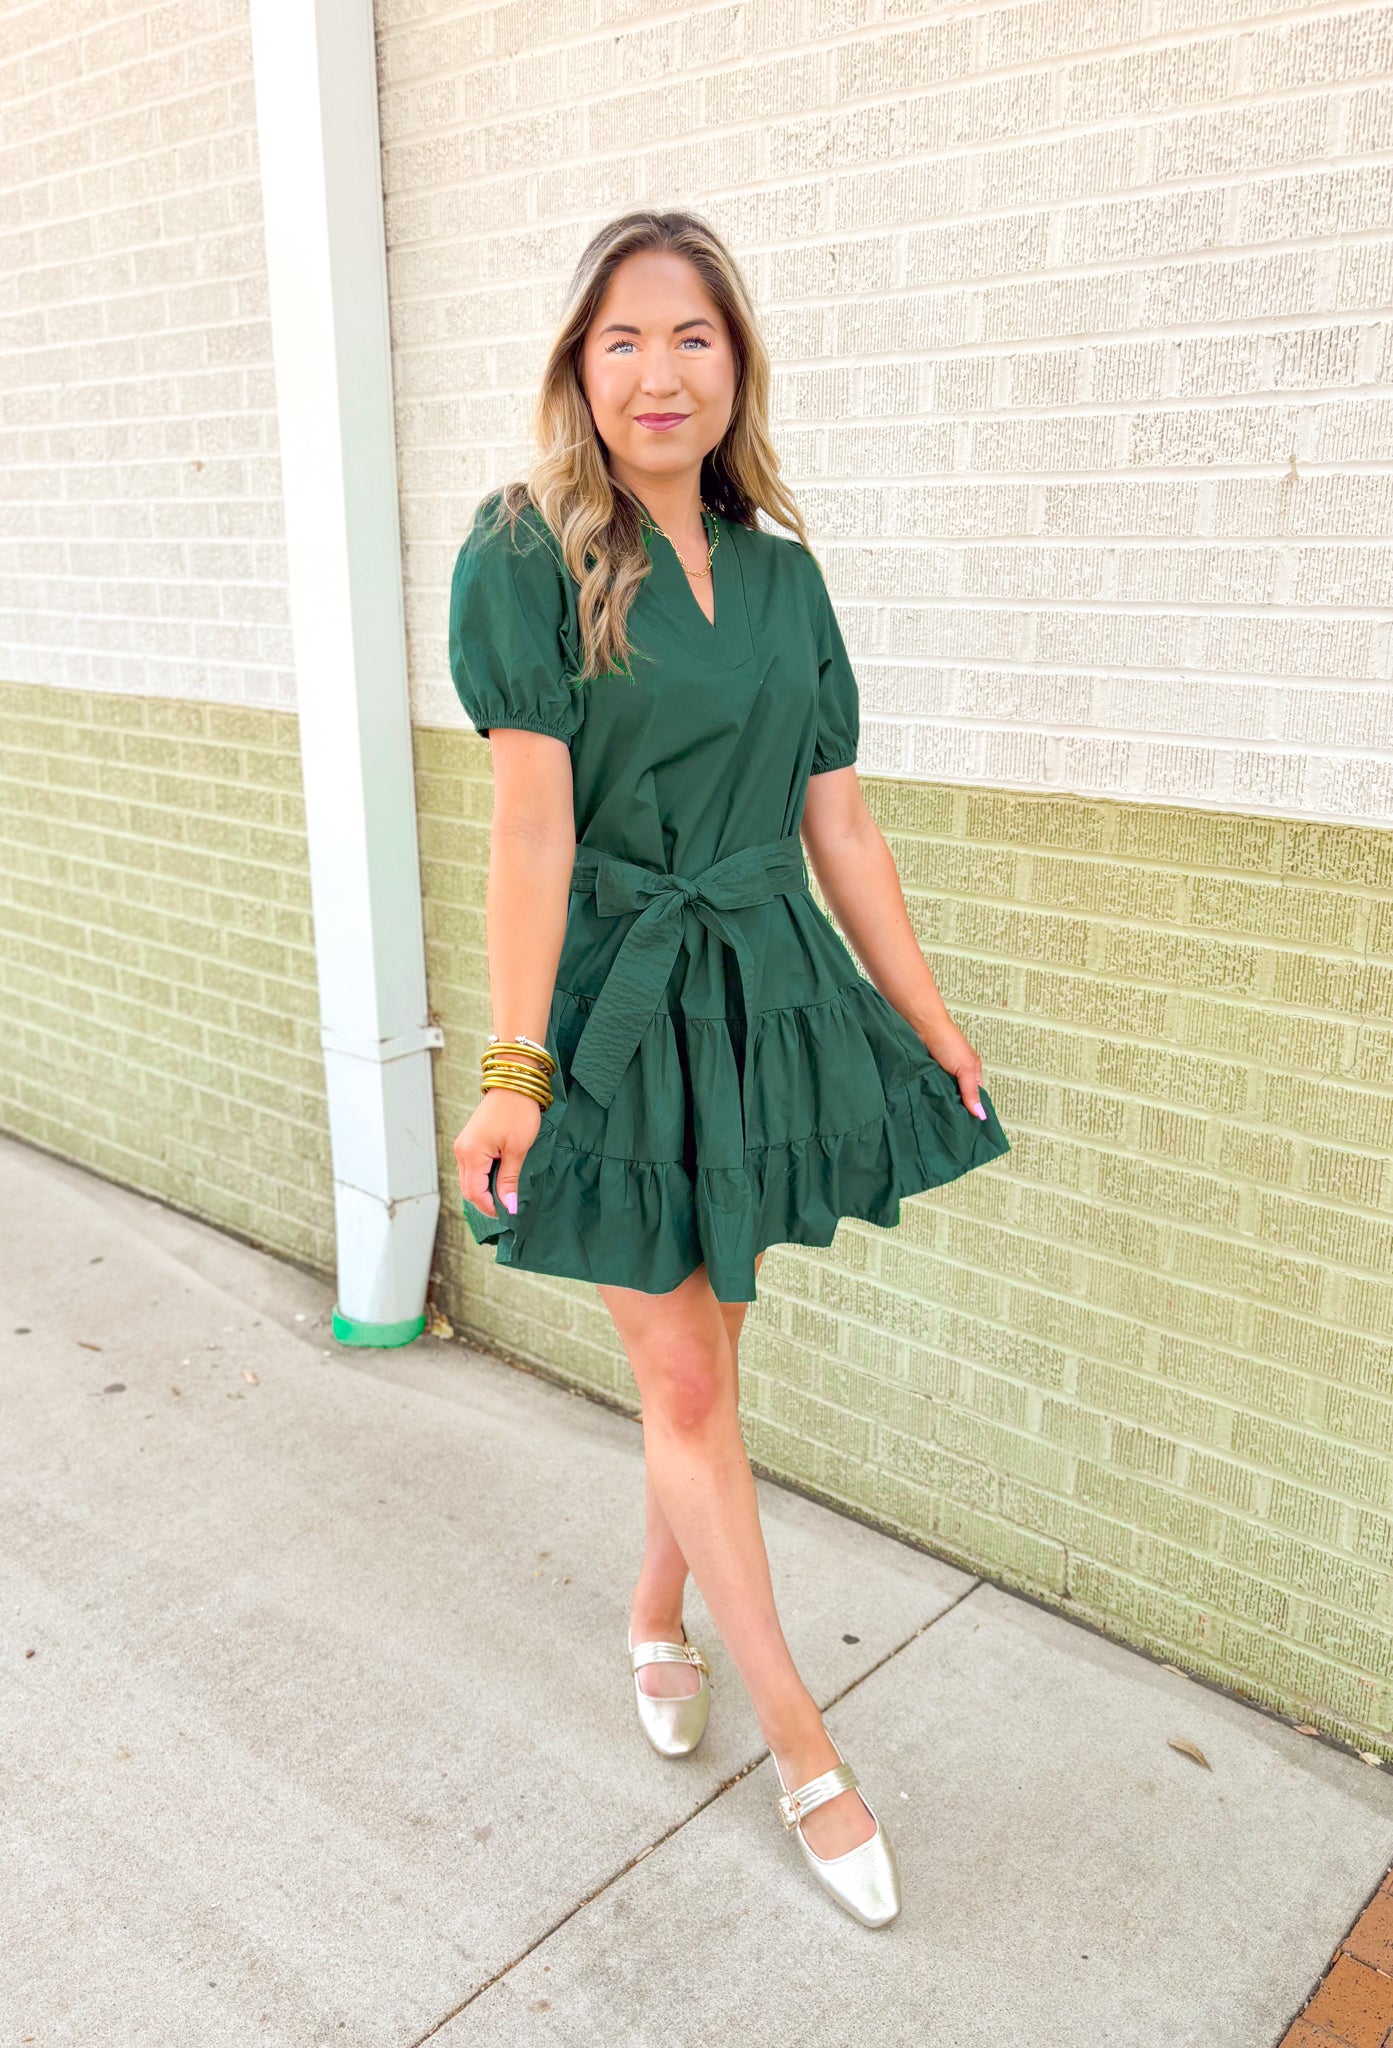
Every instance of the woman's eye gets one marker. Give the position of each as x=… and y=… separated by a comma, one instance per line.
x=701, y=341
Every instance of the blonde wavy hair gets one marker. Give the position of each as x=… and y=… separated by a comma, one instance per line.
x=597, y=521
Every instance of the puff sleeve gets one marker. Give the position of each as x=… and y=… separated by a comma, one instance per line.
x=508, y=608
x=838, y=698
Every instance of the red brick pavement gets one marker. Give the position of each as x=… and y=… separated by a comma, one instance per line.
x=1352, y=2006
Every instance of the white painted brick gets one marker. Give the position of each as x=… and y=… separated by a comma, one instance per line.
x=990, y=248
x=1148, y=82
x=958, y=509
x=1101, y=639
x=1336, y=647
x=1084, y=166
x=1231, y=436
x=1119, y=371
x=1317, y=203
x=1355, y=788
x=1316, y=358
x=1040, y=307
x=1224, y=290
x=1355, y=430
x=1030, y=572
x=1144, y=509
x=1332, y=575
x=1079, y=316
x=1222, y=365
x=1369, y=120
x=1045, y=376
x=1326, y=47
x=1048, y=34
x=906, y=61
x=1364, y=277
x=1303, y=504
x=1162, y=224
x=1242, y=139
x=1087, y=441
x=1202, y=575
x=140, y=372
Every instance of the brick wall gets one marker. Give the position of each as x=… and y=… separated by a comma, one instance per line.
x=157, y=974
x=140, y=540
x=1081, y=318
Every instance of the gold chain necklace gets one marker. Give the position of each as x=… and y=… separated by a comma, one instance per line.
x=705, y=513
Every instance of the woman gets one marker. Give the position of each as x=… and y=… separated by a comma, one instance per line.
x=687, y=1065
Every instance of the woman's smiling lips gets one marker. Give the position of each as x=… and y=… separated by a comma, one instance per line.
x=660, y=421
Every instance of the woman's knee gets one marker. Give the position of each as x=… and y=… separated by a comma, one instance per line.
x=686, y=1382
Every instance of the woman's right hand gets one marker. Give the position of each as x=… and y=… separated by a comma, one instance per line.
x=502, y=1128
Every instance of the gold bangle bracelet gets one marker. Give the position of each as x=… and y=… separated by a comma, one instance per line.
x=522, y=1045
x=508, y=1065
x=541, y=1095
x=519, y=1073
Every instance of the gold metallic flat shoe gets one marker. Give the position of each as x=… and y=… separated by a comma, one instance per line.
x=673, y=1726
x=866, y=1880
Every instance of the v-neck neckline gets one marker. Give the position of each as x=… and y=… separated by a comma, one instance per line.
x=718, y=592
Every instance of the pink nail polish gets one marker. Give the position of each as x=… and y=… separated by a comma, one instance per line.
x=979, y=1111
x=510, y=1203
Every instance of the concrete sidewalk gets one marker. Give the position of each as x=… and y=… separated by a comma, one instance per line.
x=327, y=1737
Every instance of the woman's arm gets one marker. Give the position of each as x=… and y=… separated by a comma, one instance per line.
x=532, y=847
x=856, y=872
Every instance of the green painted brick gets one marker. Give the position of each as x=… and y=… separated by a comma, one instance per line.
x=1076, y=1527
x=935, y=1469
x=1022, y=1556
x=1106, y=888
x=1367, y=1304
x=1326, y=1466
x=1212, y=1583
x=144, y=965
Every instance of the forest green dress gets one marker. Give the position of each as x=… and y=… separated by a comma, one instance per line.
x=727, y=1078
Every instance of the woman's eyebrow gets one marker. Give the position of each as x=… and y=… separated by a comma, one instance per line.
x=618, y=327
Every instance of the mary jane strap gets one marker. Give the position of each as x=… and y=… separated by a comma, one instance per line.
x=668, y=1653
x=794, y=1805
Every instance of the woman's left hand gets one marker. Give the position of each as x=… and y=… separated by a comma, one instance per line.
x=948, y=1046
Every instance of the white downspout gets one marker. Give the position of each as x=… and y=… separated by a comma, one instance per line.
x=316, y=102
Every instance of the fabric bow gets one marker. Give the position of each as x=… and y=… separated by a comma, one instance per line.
x=638, y=975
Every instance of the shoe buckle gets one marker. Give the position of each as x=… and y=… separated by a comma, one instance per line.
x=790, y=1810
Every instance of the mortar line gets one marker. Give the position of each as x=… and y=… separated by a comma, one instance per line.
x=716, y=1793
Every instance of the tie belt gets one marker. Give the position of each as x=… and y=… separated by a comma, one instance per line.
x=639, y=972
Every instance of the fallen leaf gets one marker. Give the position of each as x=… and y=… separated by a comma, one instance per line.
x=1370, y=1756
x=1189, y=1749
x=1176, y=1669
x=176, y=1390
x=29, y=1653
x=250, y=1377
x=439, y=1326
x=1305, y=1728
x=82, y=1345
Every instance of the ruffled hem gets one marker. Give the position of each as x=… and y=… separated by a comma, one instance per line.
x=650, y=1224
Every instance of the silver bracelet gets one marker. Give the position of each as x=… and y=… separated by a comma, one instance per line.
x=519, y=1038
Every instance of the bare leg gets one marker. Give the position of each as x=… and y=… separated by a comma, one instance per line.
x=685, y=1366
x=656, y=1613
